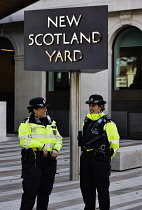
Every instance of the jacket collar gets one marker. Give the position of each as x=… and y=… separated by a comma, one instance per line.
x=41, y=121
x=94, y=116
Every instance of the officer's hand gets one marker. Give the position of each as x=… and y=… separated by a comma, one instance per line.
x=54, y=153
x=45, y=152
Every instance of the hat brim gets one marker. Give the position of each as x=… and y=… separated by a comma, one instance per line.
x=99, y=102
x=37, y=106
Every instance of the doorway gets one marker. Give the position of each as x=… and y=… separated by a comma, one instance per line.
x=7, y=80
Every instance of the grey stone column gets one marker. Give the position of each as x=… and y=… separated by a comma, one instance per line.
x=109, y=81
x=2, y=120
x=74, y=124
x=28, y=84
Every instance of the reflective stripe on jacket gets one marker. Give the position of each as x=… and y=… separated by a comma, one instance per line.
x=111, y=130
x=36, y=136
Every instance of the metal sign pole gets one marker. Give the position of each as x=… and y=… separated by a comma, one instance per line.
x=74, y=124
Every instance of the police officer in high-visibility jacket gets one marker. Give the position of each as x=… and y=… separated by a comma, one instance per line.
x=41, y=143
x=99, y=143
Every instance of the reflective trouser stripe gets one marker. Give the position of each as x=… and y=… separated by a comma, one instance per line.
x=115, y=150
x=114, y=141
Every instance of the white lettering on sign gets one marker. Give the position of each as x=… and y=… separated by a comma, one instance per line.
x=50, y=56
x=73, y=20
x=62, y=21
x=93, y=37
x=67, y=55
x=36, y=39
x=30, y=37
x=50, y=36
x=64, y=39
x=58, y=38
x=76, y=37
x=82, y=36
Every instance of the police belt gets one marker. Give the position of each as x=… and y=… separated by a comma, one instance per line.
x=32, y=154
x=101, y=152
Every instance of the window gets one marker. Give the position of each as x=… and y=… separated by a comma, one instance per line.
x=128, y=60
x=58, y=81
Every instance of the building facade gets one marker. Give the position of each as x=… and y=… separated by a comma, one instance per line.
x=120, y=84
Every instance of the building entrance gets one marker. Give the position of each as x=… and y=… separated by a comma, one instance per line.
x=7, y=81
x=58, y=96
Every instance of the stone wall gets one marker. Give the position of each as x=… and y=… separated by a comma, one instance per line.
x=2, y=120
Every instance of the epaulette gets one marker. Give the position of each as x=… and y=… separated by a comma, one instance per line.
x=25, y=120
x=86, y=119
x=107, y=118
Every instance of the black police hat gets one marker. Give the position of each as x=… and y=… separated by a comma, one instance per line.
x=36, y=103
x=96, y=99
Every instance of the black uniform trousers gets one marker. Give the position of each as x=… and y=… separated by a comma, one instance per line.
x=37, y=182
x=94, y=175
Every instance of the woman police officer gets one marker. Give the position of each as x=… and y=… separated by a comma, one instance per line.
x=99, y=143
x=41, y=143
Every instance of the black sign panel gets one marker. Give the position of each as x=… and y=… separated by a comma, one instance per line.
x=67, y=39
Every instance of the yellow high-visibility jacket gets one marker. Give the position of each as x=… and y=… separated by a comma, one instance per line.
x=111, y=131
x=32, y=135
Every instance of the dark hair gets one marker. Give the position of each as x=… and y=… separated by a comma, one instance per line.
x=103, y=107
x=31, y=109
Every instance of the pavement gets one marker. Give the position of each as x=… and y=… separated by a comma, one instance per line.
x=125, y=187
